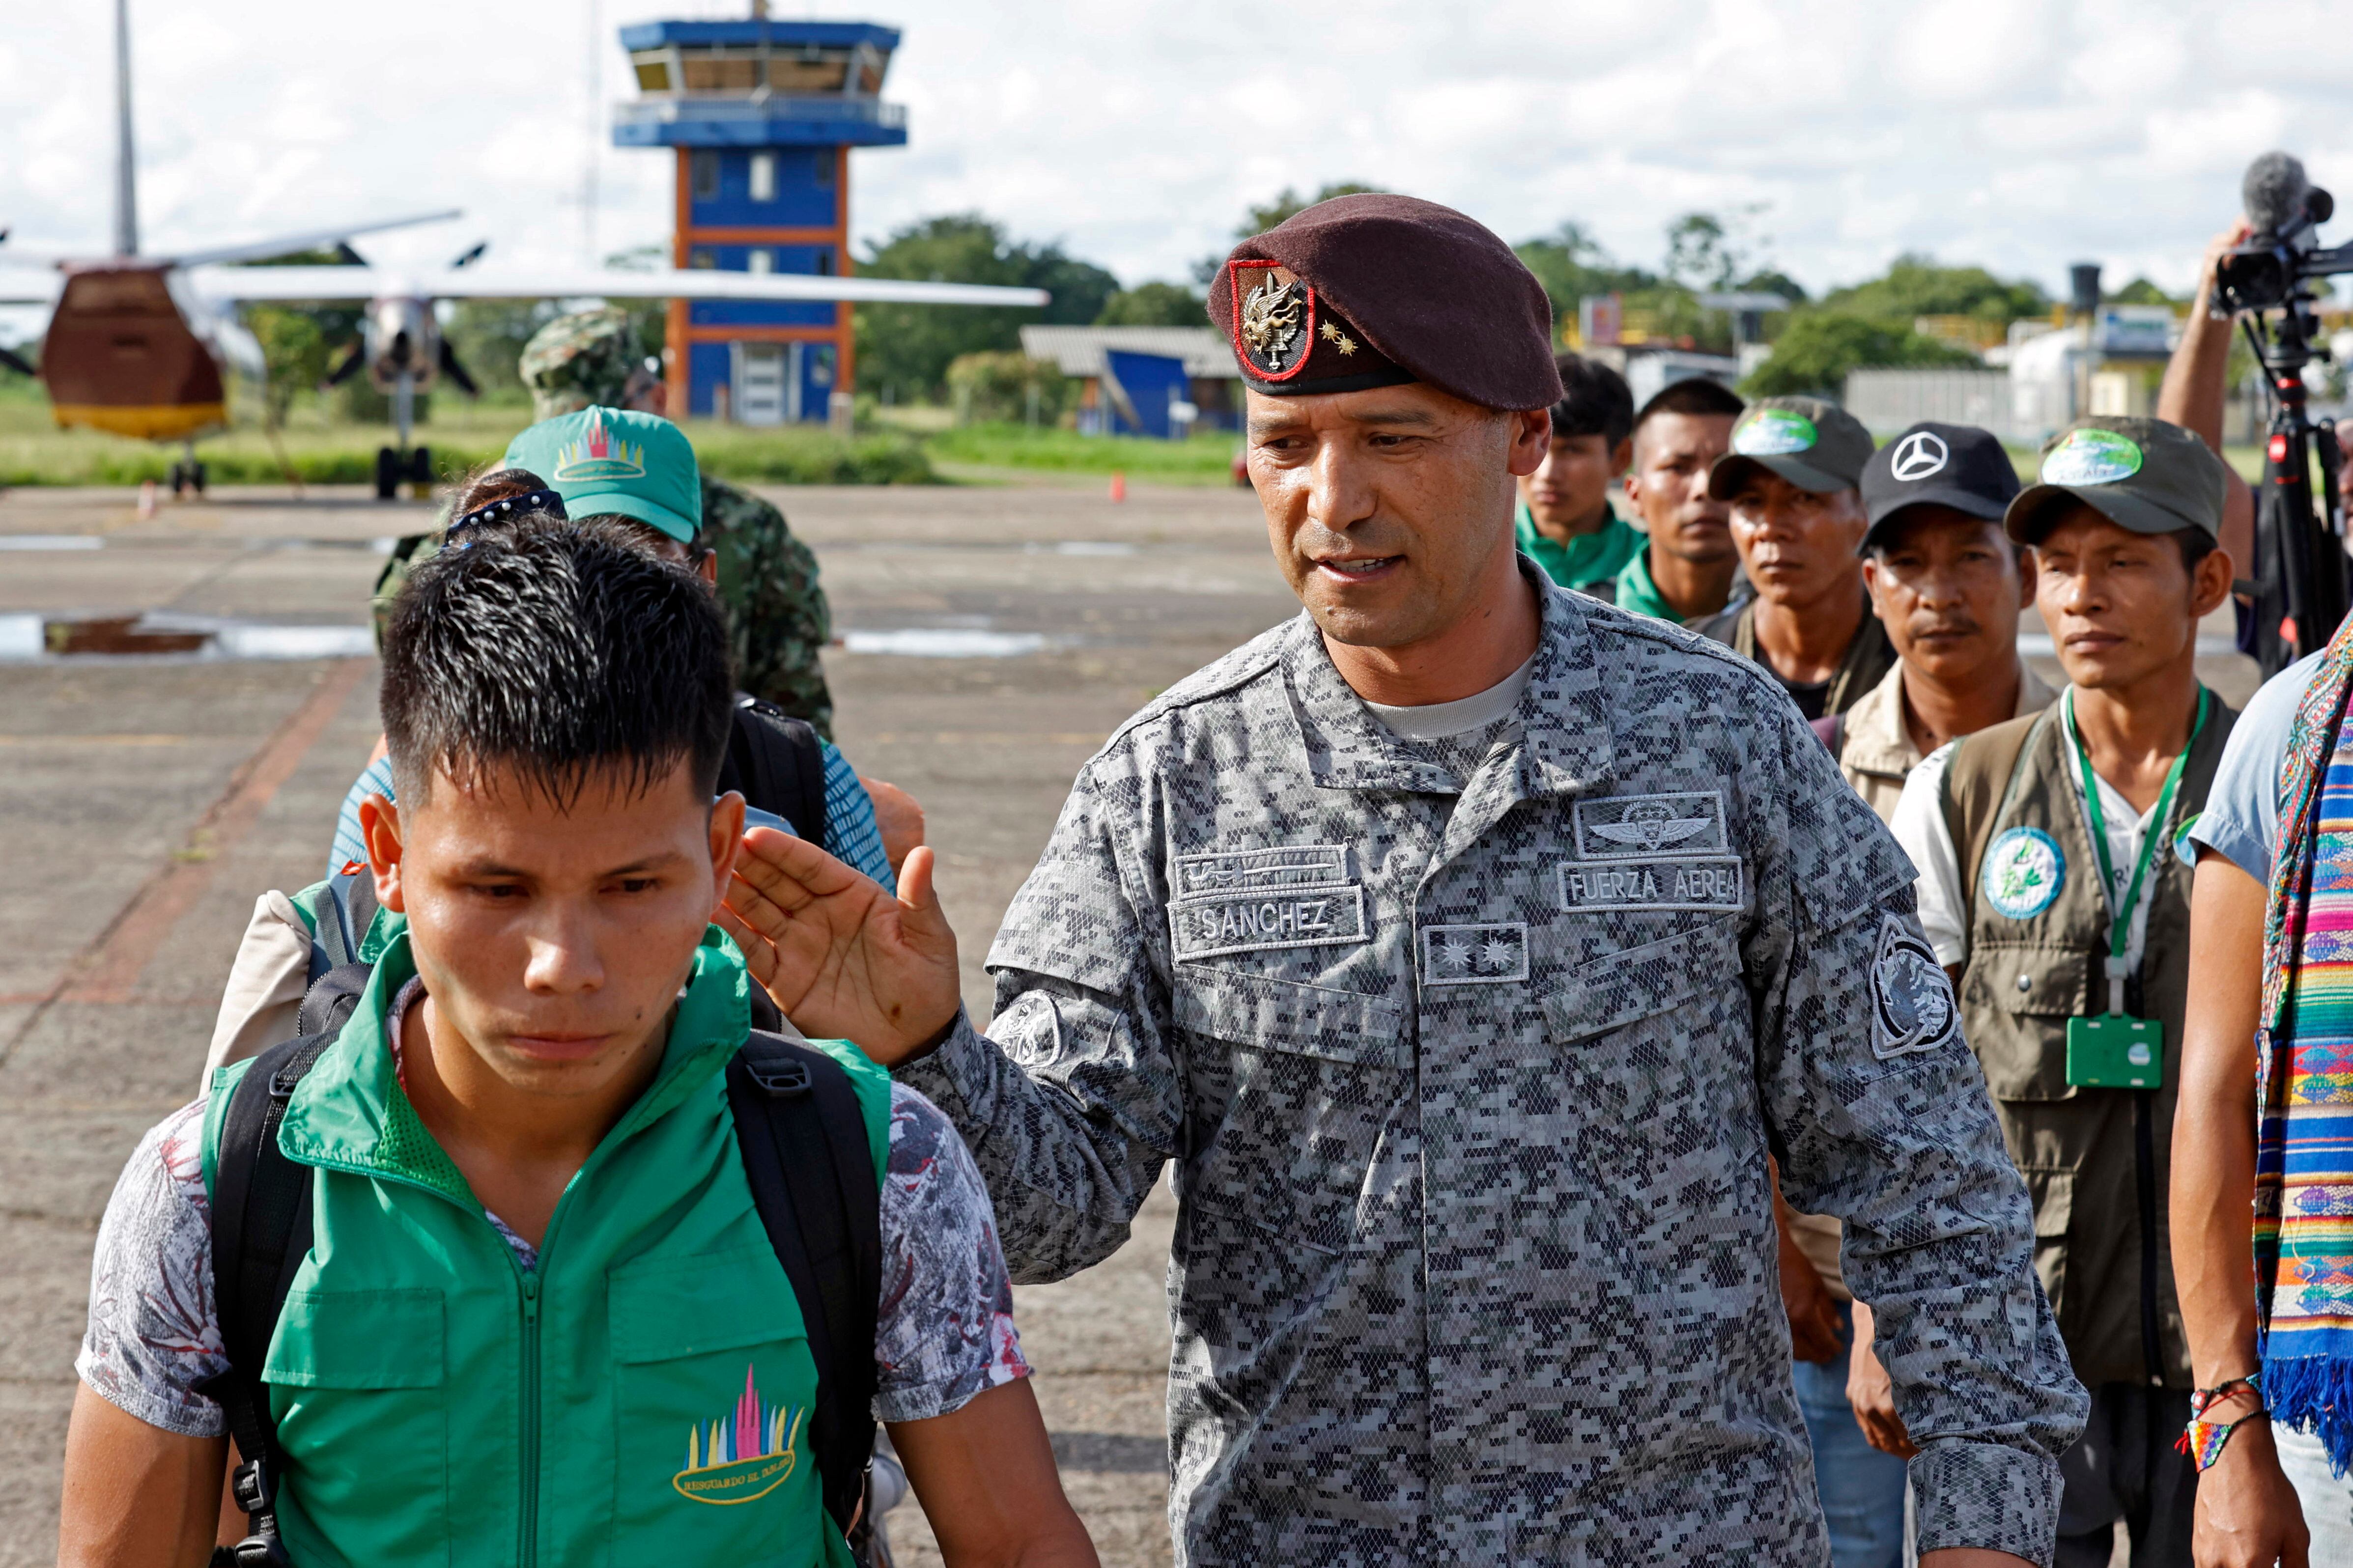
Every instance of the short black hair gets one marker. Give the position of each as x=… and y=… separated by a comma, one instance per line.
x=1595, y=401
x=1693, y=394
x=558, y=651
x=2195, y=544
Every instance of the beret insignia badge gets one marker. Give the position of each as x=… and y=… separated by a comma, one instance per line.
x=1274, y=321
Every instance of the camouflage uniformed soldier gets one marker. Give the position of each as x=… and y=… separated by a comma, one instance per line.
x=777, y=617
x=1468, y=945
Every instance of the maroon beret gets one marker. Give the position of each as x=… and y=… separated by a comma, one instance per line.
x=1376, y=290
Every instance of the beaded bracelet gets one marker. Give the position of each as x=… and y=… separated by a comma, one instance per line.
x=2202, y=1439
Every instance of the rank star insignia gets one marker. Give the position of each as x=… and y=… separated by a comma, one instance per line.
x=1344, y=343
x=1330, y=332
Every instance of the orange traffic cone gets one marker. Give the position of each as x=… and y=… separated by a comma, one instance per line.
x=1119, y=487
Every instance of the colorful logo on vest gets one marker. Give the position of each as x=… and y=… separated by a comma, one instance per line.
x=2024, y=871
x=2092, y=457
x=598, y=454
x=746, y=1455
x=1774, y=433
x=1912, y=1006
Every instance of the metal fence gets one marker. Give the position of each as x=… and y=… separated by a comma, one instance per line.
x=1889, y=400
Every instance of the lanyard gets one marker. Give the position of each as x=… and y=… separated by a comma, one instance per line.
x=2121, y=916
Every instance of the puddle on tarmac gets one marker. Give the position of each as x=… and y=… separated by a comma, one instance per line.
x=51, y=541
x=24, y=637
x=946, y=642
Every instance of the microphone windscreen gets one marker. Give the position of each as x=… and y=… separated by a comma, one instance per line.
x=2273, y=194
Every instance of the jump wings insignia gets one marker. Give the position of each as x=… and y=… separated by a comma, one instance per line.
x=1651, y=825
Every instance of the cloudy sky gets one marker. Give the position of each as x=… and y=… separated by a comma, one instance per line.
x=2024, y=134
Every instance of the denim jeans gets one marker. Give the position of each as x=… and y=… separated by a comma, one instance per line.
x=2327, y=1500
x=1861, y=1488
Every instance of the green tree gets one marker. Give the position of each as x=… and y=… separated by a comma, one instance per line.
x=1701, y=252
x=908, y=348
x=1915, y=285
x=999, y=386
x=300, y=343
x=2140, y=292
x=1819, y=347
x=1571, y=264
x=1770, y=281
x=1291, y=204
x=1154, y=305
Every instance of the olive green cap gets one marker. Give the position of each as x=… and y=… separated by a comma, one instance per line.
x=2144, y=475
x=1815, y=444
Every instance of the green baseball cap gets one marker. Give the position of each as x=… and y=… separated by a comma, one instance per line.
x=2144, y=475
x=608, y=460
x=1816, y=446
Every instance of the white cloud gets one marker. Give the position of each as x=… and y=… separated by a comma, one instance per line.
x=2024, y=134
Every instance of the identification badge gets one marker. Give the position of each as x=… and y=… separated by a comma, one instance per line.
x=2113, y=1051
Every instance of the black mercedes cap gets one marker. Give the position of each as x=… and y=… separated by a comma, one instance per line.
x=1931, y=464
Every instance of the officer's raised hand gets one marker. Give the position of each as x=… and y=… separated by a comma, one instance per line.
x=842, y=958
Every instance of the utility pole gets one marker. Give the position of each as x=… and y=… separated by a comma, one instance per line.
x=126, y=156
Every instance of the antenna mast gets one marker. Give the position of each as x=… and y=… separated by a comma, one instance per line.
x=126, y=190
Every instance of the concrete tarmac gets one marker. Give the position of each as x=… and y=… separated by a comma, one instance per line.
x=993, y=638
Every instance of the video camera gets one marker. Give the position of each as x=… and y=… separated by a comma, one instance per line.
x=2303, y=586
x=2283, y=207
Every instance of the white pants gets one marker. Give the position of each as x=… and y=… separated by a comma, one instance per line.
x=2327, y=1500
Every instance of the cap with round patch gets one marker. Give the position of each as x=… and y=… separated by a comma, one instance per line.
x=1934, y=464
x=2144, y=475
x=606, y=461
x=1815, y=444
x=1375, y=289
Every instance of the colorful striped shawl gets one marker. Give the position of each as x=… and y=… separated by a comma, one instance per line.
x=2304, y=1147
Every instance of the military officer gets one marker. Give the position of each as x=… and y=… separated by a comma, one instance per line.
x=1468, y=945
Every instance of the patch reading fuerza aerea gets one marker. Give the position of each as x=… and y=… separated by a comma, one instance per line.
x=1651, y=883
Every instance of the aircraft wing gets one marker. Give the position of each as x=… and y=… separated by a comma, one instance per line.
x=27, y=285
x=342, y=283
x=263, y=249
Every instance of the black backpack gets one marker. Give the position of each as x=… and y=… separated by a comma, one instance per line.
x=806, y=1156
x=776, y=763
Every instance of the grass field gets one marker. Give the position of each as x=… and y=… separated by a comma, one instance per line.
x=461, y=437
x=1206, y=459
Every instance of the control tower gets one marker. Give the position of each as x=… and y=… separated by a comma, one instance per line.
x=761, y=114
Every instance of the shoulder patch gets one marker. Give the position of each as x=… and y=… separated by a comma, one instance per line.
x=1030, y=1031
x=1912, y=1006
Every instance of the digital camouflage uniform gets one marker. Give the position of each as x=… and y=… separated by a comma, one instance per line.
x=777, y=621
x=1469, y=1086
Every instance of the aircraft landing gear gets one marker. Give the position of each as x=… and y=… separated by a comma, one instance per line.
x=392, y=468
x=187, y=474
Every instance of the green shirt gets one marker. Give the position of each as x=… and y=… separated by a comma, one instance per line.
x=1639, y=592
x=1588, y=559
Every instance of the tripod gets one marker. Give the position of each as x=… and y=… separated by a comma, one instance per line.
x=2301, y=569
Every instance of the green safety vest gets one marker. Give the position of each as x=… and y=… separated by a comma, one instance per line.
x=642, y=1396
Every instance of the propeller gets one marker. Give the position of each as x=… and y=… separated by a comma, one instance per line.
x=455, y=371
x=351, y=361
x=346, y=257
x=471, y=255
x=18, y=363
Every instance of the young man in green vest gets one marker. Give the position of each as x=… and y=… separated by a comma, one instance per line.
x=541, y=1319
x=2050, y=886
x=1798, y=520
x=1687, y=566
x=1564, y=519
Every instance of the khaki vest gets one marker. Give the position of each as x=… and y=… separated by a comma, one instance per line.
x=2096, y=1159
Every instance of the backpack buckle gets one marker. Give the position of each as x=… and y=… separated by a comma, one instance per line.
x=782, y=1079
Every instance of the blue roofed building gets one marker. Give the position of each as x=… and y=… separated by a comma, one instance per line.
x=761, y=115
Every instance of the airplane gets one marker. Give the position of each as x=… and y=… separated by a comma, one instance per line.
x=137, y=344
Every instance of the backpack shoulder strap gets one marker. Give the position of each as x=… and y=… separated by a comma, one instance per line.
x=1977, y=781
x=261, y=1233
x=811, y=1170
x=347, y=908
x=783, y=765
x=1830, y=731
